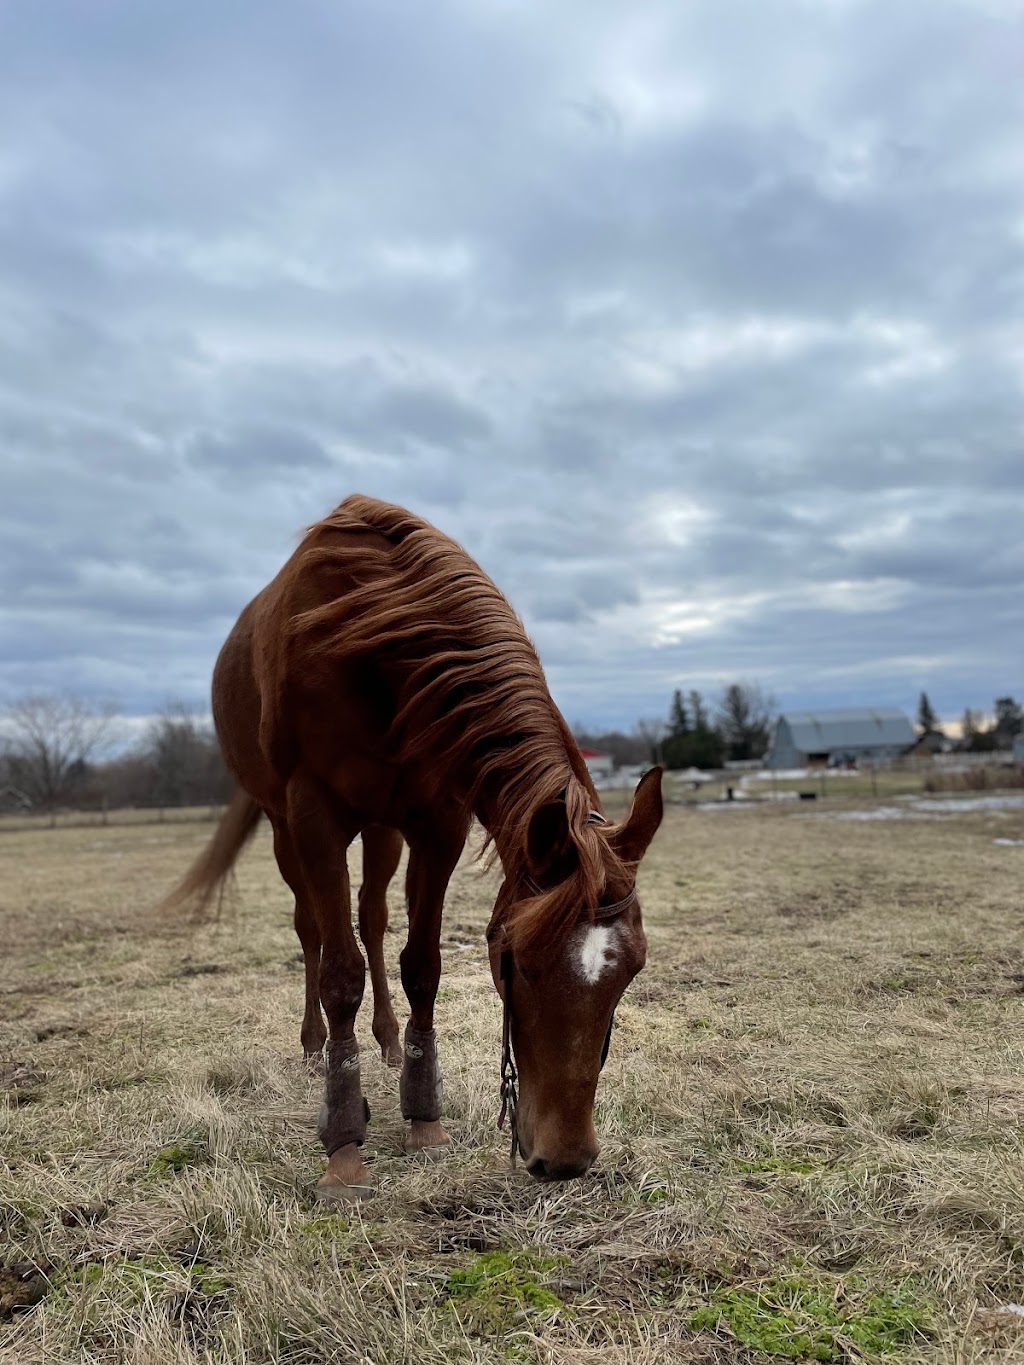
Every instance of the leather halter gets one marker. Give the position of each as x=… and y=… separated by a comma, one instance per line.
x=509, y=1076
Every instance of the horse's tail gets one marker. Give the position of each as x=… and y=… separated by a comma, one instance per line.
x=203, y=884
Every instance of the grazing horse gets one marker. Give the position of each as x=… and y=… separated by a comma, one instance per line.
x=382, y=685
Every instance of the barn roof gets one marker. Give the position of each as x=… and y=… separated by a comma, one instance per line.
x=592, y=753
x=823, y=731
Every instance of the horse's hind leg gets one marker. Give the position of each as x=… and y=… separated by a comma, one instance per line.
x=314, y=1030
x=382, y=851
x=321, y=834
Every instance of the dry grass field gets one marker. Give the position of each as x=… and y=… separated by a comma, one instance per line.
x=812, y=1117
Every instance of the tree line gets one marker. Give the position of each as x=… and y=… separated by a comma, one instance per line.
x=736, y=727
x=49, y=747
x=51, y=750
x=975, y=735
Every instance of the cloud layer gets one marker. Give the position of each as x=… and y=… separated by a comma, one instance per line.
x=699, y=325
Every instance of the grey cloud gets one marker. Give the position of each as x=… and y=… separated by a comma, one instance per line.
x=706, y=346
x=247, y=450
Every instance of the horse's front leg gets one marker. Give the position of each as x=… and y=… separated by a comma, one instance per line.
x=321, y=837
x=433, y=853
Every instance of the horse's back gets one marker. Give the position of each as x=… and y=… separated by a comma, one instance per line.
x=278, y=707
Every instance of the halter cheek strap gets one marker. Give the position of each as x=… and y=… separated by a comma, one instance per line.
x=507, y=1090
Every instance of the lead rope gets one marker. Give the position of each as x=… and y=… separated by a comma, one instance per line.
x=508, y=1092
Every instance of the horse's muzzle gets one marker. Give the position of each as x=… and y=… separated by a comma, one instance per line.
x=559, y=1169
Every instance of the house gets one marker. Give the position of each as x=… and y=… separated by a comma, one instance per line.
x=820, y=739
x=1018, y=749
x=600, y=766
x=929, y=744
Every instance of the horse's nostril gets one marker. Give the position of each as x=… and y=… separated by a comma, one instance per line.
x=555, y=1170
x=570, y=1170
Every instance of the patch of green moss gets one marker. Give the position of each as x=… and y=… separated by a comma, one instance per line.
x=325, y=1229
x=797, y=1319
x=191, y=1150
x=897, y=982
x=136, y=1279
x=653, y=1194
x=327, y=1224
x=500, y=1289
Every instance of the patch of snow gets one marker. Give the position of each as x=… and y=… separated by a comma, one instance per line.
x=801, y=774
x=695, y=775
x=1010, y=843
x=875, y=813
x=726, y=805
x=968, y=803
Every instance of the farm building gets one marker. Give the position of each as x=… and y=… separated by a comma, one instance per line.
x=810, y=739
x=930, y=744
x=598, y=765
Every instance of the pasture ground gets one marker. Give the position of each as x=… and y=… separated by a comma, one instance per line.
x=811, y=1117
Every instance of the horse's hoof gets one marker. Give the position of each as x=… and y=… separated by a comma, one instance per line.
x=346, y=1180
x=328, y=1191
x=426, y=1141
x=426, y=1156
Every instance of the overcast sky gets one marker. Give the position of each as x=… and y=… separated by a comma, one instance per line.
x=700, y=325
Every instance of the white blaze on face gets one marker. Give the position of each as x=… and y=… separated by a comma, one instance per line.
x=596, y=951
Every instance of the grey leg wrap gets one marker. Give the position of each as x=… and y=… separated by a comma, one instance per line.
x=344, y=1112
x=420, y=1086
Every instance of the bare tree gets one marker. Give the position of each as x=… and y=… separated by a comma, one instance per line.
x=50, y=740
x=624, y=749
x=651, y=731
x=745, y=720
x=184, y=757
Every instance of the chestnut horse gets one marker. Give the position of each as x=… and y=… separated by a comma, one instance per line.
x=382, y=685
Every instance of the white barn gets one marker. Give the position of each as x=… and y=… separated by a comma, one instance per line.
x=818, y=739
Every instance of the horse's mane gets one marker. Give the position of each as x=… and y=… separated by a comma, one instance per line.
x=470, y=692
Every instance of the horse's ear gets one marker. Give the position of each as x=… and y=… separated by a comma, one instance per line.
x=632, y=838
x=547, y=840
